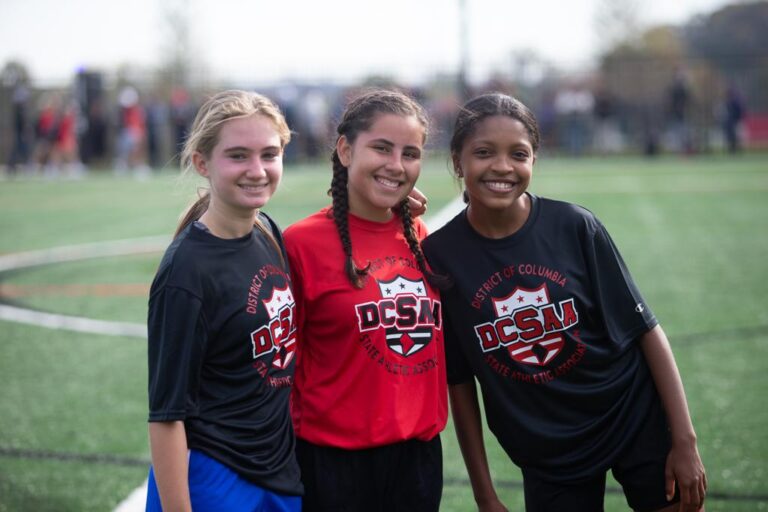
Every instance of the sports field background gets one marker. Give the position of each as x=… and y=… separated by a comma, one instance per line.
x=694, y=232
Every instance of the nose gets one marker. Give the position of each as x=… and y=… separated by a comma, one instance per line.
x=395, y=163
x=503, y=164
x=257, y=167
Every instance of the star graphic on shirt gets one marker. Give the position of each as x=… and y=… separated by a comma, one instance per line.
x=504, y=308
x=389, y=290
x=419, y=290
x=539, y=299
x=520, y=298
x=402, y=286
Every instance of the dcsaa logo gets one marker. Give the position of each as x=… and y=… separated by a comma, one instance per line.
x=406, y=313
x=529, y=325
x=279, y=335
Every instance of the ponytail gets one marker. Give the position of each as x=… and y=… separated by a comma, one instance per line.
x=194, y=212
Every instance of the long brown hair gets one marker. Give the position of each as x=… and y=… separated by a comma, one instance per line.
x=358, y=117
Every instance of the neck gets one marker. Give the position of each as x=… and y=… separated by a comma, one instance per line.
x=500, y=223
x=369, y=213
x=227, y=224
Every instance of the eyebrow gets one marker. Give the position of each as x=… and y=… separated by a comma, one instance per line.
x=243, y=148
x=492, y=143
x=392, y=144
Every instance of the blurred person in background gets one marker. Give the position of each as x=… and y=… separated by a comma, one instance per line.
x=65, y=154
x=733, y=112
x=46, y=130
x=679, y=100
x=21, y=149
x=131, y=148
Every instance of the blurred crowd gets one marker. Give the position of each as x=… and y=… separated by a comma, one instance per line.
x=131, y=129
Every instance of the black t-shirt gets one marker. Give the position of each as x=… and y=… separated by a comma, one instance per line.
x=547, y=321
x=221, y=345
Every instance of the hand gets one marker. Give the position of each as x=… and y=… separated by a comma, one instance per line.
x=417, y=202
x=684, y=468
x=494, y=505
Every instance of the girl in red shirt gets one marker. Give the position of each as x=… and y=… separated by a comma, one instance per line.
x=369, y=398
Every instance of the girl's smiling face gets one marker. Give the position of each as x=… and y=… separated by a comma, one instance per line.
x=245, y=166
x=383, y=164
x=496, y=164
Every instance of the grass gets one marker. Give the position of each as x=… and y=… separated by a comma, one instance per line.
x=692, y=232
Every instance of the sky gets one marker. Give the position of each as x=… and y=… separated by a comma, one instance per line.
x=258, y=41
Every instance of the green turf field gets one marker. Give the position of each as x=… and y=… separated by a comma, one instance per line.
x=73, y=423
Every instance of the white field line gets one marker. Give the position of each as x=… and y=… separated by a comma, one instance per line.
x=84, y=251
x=137, y=499
x=67, y=253
x=71, y=323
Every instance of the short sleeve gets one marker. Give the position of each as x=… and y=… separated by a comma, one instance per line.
x=176, y=345
x=625, y=313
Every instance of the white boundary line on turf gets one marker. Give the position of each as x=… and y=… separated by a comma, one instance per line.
x=10, y=262
x=71, y=323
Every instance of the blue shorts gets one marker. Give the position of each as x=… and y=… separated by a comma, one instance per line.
x=215, y=487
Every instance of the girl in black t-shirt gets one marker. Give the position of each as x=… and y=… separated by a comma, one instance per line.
x=221, y=326
x=576, y=374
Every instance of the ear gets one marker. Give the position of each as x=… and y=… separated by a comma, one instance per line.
x=457, y=165
x=344, y=150
x=201, y=166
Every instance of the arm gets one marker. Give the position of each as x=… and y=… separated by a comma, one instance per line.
x=469, y=432
x=684, y=465
x=168, y=443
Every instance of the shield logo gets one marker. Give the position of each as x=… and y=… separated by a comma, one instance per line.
x=537, y=352
x=280, y=308
x=405, y=341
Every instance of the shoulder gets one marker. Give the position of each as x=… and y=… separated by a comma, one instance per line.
x=180, y=263
x=420, y=228
x=270, y=223
x=313, y=227
x=567, y=215
x=447, y=234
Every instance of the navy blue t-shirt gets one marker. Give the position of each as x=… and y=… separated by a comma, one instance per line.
x=221, y=345
x=547, y=320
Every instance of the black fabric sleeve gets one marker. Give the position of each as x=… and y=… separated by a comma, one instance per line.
x=176, y=346
x=624, y=311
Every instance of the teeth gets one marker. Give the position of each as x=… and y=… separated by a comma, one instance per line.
x=387, y=182
x=501, y=186
x=251, y=187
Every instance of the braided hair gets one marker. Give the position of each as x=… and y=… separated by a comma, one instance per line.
x=359, y=117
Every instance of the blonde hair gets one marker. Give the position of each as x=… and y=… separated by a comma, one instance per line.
x=204, y=135
x=222, y=107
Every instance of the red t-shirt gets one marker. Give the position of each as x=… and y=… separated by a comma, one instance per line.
x=370, y=366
